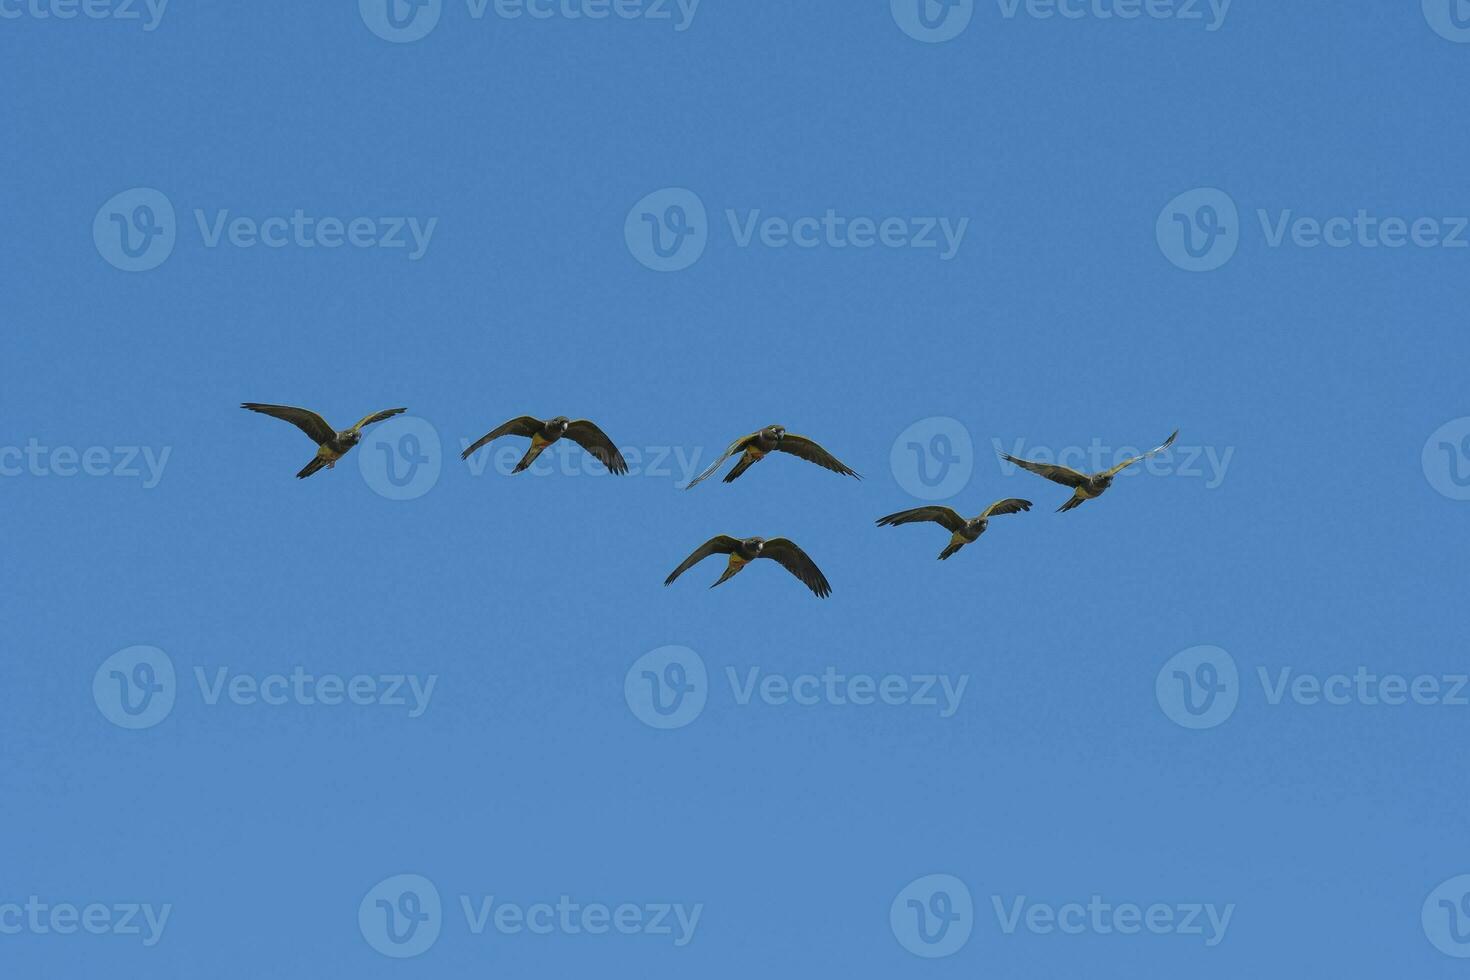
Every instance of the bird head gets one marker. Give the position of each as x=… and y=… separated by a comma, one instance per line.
x=776, y=432
x=755, y=544
x=350, y=438
x=560, y=423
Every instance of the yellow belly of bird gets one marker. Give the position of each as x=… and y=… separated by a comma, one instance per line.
x=1087, y=494
x=754, y=454
x=958, y=538
x=736, y=561
x=328, y=454
x=538, y=445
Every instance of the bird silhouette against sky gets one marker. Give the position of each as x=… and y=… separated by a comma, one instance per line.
x=331, y=444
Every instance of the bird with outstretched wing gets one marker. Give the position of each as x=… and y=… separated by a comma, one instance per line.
x=773, y=438
x=963, y=530
x=543, y=434
x=743, y=551
x=1085, y=486
x=331, y=444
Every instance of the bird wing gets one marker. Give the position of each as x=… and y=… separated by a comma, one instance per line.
x=595, y=441
x=523, y=426
x=1010, y=505
x=720, y=544
x=1152, y=452
x=796, y=561
x=379, y=416
x=1056, y=474
x=939, y=515
x=309, y=422
x=808, y=450
x=737, y=446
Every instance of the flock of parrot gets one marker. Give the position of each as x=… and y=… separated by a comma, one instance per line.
x=332, y=445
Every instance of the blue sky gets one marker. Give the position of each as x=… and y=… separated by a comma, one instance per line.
x=1068, y=171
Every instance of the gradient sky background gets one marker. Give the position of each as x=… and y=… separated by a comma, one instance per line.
x=1325, y=547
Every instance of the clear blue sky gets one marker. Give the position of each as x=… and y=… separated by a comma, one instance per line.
x=1060, y=319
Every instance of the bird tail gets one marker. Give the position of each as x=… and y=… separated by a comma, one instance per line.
x=736, y=564
x=1076, y=501
x=951, y=549
x=536, y=447
x=740, y=467
x=311, y=468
